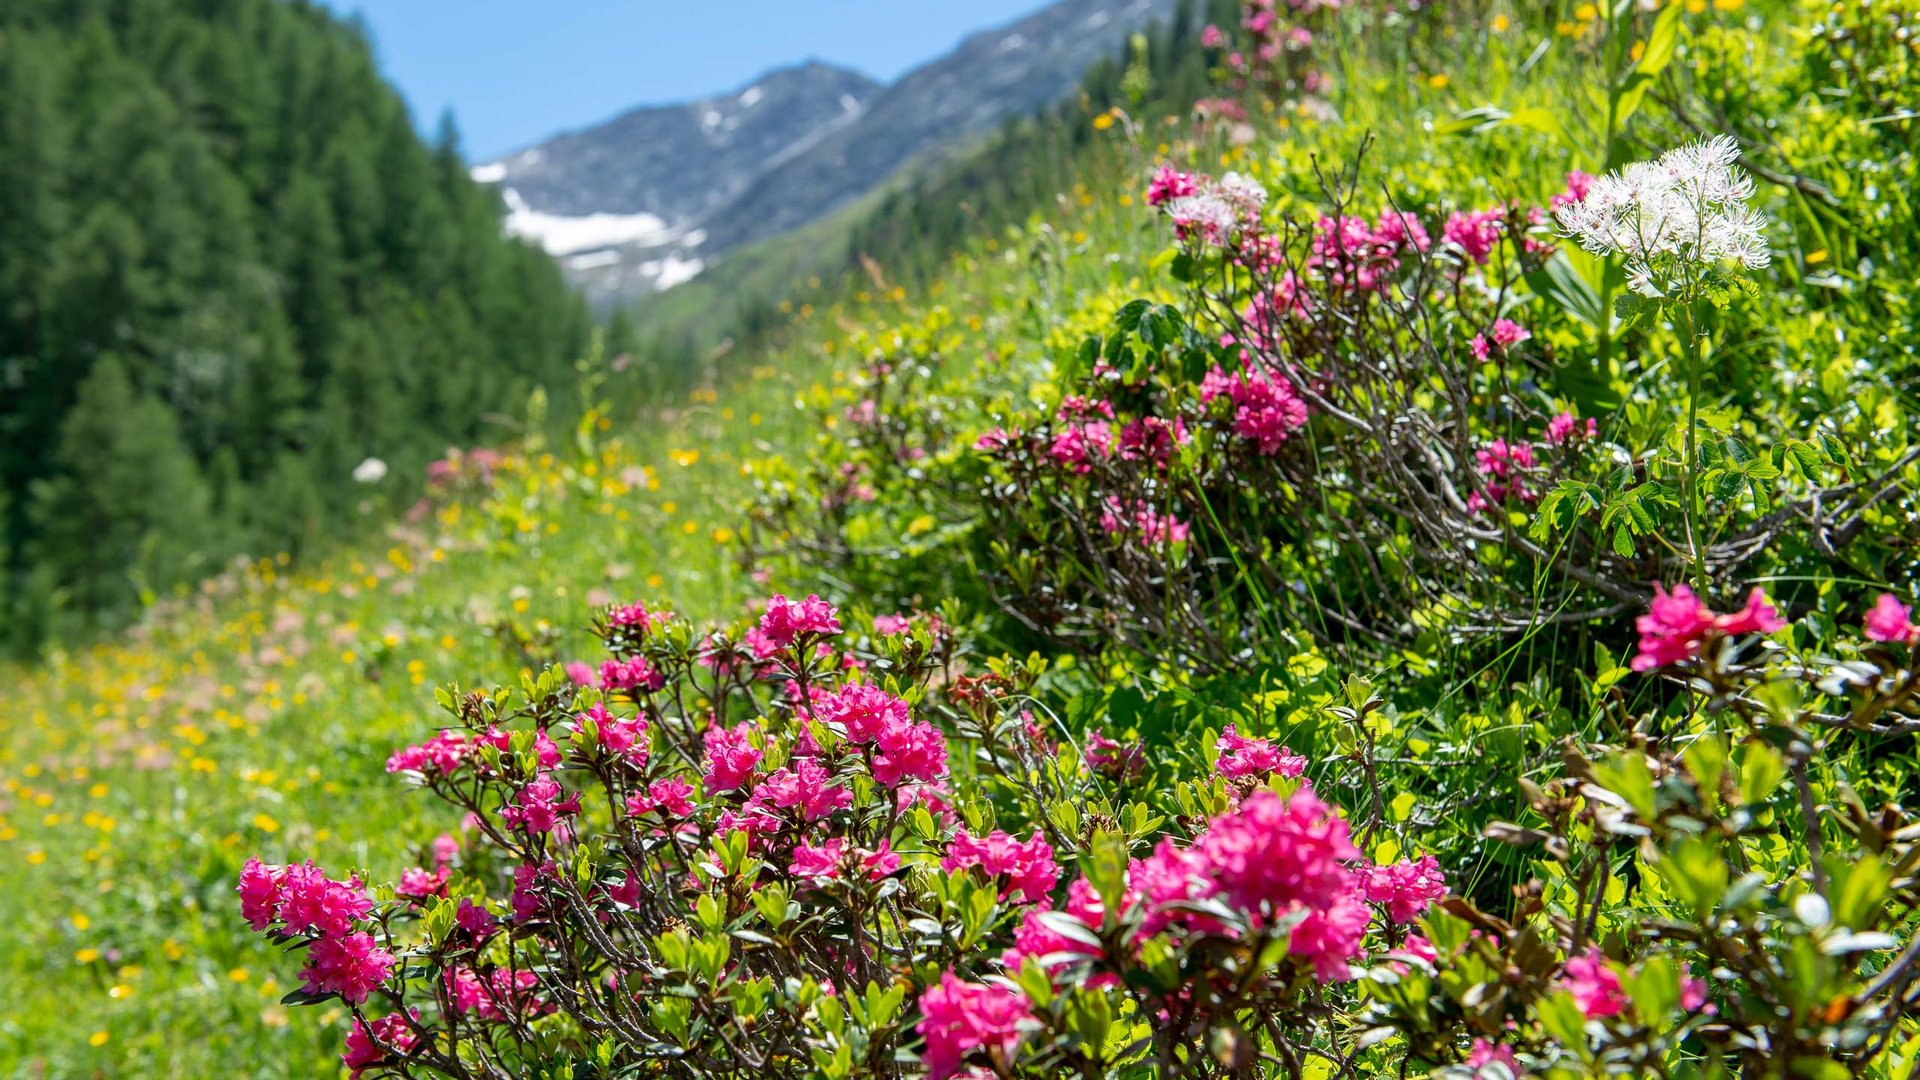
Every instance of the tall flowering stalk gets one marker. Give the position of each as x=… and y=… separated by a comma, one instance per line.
x=1677, y=222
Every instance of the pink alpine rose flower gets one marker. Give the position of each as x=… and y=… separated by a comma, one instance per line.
x=1891, y=621
x=959, y=1017
x=1026, y=866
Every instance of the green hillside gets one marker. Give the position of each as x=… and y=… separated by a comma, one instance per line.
x=1196, y=507
x=218, y=216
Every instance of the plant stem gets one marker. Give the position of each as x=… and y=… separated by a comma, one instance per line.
x=1689, y=494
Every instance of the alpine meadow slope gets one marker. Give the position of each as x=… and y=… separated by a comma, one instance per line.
x=1402, y=566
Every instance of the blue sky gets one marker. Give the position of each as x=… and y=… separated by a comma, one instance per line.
x=514, y=72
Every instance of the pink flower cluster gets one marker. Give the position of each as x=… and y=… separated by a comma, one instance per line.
x=1024, y=867
x=1113, y=759
x=1474, y=233
x=1083, y=433
x=786, y=620
x=1505, y=335
x=1503, y=465
x=905, y=751
x=1566, y=427
x=1169, y=184
x=1678, y=625
x=1241, y=756
x=1891, y=621
x=960, y=1017
x=541, y=806
x=1278, y=859
x=1357, y=257
x=1157, y=530
x=364, y=1042
x=1404, y=889
x=825, y=862
x=303, y=901
x=1266, y=409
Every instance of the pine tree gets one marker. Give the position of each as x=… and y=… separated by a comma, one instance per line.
x=127, y=507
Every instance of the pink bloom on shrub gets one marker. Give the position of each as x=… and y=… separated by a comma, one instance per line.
x=889, y=625
x=1567, y=426
x=418, y=883
x=1474, y=233
x=1115, y=760
x=824, y=861
x=353, y=966
x=1507, y=333
x=527, y=901
x=787, y=619
x=1479, y=347
x=731, y=758
x=1213, y=37
x=1578, y=183
x=1891, y=621
x=1483, y=1053
x=958, y=1017
x=633, y=617
x=540, y=806
x=916, y=752
x=442, y=754
x=259, y=890
x=309, y=901
x=1273, y=855
x=1677, y=625
x=1405, y=888
x=1078, y=445
x=1027, y=866
x=364, y=1041
x=1170, y=875
x=1267, y=410
x=635, y=674
x=1758, y=616
x=1035, y=938
x=474, y=918
x=805, y=787
x=1240, y=756
x=672, y=797
x=619, y=736
x=861, y=711
x=1594, y=985
x=994, y=439
x=1330, y=937
x=1169, y=183
x=931, y=796
x=445, y=847
x=1673, y=629
x=1152, y=439
x=579, y=672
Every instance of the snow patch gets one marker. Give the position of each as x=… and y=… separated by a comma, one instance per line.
x=751, y=97
x=531, y=157
x=593, y=260
x=851, y=104
x=491, y=173
x=560, y=234
x=1012, y=42
x=1099, y=19
x=672, y=270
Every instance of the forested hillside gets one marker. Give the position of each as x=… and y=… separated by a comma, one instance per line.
x=230, y=272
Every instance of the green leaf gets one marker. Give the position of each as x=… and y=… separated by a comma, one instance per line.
x=1560, y=281
x=1661, y=43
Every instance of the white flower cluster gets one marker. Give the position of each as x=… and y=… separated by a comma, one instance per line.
x=1689, y=208
x=1219, y=208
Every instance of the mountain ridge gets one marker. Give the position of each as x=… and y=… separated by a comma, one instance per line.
x=650, y=197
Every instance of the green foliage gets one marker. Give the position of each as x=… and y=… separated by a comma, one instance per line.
x=228, y=199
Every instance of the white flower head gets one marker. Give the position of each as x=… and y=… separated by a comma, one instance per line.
x=1689, y=207
x=370, y=471
x=1243, y=193
x=1208, y=215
